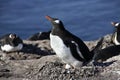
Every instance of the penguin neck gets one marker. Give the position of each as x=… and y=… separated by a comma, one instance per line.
x=118, y=35
x=57, y=29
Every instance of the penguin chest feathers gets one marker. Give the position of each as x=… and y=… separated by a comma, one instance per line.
x=9, y=48
x=58, y=46
x=61, y=49
x=115, y=39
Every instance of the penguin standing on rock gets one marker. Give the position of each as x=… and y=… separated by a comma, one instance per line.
x=67, y=46
x=116, y=34
x=10, y=43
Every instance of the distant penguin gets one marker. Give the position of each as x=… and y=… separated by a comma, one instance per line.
x=67, y=46
x=116, y=34
x=10, y=43
x=101, y=55
x=106, y=53
x=40, y=36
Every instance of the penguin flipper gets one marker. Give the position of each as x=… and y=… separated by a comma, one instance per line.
x=75, y=51
x=99, y=45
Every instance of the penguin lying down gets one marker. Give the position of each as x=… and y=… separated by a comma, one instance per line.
x=40, y=36
x=101, y=55
x=108, y=52
x=10, y=43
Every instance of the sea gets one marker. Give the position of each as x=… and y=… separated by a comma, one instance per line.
x=87, y=19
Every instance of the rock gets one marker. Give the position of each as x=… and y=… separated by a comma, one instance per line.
x=37, y=61
x=31, y=50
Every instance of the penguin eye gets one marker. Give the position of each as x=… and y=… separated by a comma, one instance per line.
x=57, y=21
x=117, y=24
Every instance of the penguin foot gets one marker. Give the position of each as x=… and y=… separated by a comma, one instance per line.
x=67, y=66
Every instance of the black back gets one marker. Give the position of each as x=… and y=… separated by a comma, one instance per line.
x=67, y=37
x=40, y=36
x=106, y=53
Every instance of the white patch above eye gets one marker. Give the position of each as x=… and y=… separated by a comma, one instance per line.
x=117, y=24
x=57, y=21
x=10, y=36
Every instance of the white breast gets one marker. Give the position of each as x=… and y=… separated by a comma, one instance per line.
x=115, y=40
x=62, y=50
x=9, y=48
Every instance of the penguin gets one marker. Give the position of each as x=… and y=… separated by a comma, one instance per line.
x=116, y=34
x=68, y=47
x=40, y=36
x=102, y=54
x=10, y=43
x=106, y=53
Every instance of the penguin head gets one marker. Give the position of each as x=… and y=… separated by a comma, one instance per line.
x=116, y=24
x=12, y=36
x=14, y=40
x=55, y=22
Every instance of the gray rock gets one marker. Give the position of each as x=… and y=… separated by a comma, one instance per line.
x=37, y=61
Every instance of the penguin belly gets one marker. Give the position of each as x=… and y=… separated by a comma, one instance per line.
x=62, y=51
x=9, y=48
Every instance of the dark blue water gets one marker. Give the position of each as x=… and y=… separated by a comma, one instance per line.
x=88, y=19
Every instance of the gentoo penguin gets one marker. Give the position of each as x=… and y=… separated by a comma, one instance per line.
x=116, y=34
x=67, y=46
x=40, y=36
x=106, y=53
x=101, y=55
x=10, y=42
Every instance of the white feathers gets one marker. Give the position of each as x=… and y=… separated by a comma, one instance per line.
x=58, y=46
x=62, y=51
x=78, y=49
x=10, y=36
x=115, y=39
x=9, y=48
x=117, y=24
x=57, y=21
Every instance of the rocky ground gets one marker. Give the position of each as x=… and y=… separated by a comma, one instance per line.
x=37, y=61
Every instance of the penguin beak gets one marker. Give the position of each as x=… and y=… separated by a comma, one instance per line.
x=49, y=18
x=116, y=24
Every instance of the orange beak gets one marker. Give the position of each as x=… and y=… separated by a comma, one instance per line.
x=48, y=18
x=113, y=23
